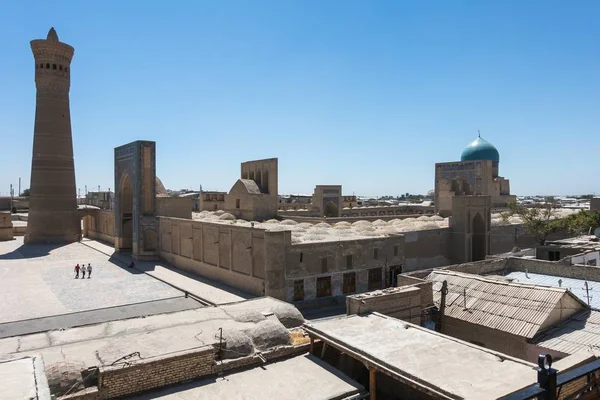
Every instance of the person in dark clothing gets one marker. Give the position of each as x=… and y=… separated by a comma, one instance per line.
x=132, y=264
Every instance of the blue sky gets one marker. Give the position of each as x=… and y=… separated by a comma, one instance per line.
x=364, y=94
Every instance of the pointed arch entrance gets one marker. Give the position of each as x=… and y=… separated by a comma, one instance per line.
x=331, y=210
x=135, y=199
x=126, y=212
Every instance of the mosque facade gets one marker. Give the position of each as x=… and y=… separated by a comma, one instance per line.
x=476, y=174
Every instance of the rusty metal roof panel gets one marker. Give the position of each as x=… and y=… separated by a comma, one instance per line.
x=514, y=308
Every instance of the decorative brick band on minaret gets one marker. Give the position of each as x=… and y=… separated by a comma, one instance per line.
x=53, y=216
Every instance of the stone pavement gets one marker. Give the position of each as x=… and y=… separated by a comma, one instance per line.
x=210, y=291
x=63, y=321
x=38, y=281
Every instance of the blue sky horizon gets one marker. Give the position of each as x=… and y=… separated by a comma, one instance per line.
x=369, y=95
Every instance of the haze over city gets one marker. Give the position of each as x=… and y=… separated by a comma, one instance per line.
x=368, y=96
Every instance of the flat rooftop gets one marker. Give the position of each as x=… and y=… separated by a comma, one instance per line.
x=300, y=378
x=575, y=286
x=585, y=241
x=39, y=292
x=156, y=335
x=23, y=378
x=436, y=362
x=39, y=281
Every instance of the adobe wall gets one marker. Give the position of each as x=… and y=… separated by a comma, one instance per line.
x=493, y=339
x=589, y=272
x=177, y=207
x=426, y=249
x=6, y=226
x=234, y=255
x=404, y=303
x=496, y=266
x=100, y=225
x=304, y=261
x=389, y=211
x=19, y=202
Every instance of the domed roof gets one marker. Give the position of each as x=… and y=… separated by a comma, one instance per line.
x=161, y=191
x=480, y=149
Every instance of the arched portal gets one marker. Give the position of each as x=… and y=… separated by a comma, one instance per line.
x=86, y=225
x=331, y=210
x=126, y=211
x=478, y=242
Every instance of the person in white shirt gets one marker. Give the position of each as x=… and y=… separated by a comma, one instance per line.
x=83, y=270
x=89, y=270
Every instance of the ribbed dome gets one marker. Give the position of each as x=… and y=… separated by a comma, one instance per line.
x=480, y=149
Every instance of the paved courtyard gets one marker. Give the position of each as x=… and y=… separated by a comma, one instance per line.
x=39, y=281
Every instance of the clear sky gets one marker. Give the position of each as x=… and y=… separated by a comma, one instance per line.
x=367, y=94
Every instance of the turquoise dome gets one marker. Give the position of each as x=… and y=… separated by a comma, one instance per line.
x=480, y=149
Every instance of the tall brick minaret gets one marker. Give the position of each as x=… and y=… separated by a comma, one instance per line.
x=53, y=214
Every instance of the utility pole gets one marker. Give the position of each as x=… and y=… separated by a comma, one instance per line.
x=587, y=293
x=19, y=186
x=11, y=198
x=442, y=310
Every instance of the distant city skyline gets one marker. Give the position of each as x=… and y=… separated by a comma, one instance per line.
x=366, y=95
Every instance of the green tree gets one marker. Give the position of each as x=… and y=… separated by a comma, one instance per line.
x=540, y=220
x=25, y=193
x=584, y=222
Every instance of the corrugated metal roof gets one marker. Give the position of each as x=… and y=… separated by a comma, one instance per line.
x=581, y=332
x=510, y=307
x=576, y=286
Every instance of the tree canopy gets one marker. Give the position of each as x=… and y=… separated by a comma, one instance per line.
x=541, y=220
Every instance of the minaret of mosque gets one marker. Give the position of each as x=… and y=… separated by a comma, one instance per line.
x=53, y=216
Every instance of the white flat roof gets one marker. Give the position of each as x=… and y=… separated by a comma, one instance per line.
x=300, y=378
x=23, y=378
x=436, y=362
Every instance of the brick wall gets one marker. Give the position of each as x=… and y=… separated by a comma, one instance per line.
x=254, y=360
x=591, y=273
x=485, y=267
x=116, y=381
x=401, y=302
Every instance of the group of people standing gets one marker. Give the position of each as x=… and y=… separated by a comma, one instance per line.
x=83, y=269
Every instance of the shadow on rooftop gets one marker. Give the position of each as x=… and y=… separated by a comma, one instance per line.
x=123, y=260
x=26, y=251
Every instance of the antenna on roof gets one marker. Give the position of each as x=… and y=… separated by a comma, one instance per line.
x=478, y=133
x=587, y=293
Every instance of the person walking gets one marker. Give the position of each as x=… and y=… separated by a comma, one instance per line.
x=89, y=270
x=77, y=271
x=83, y=270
